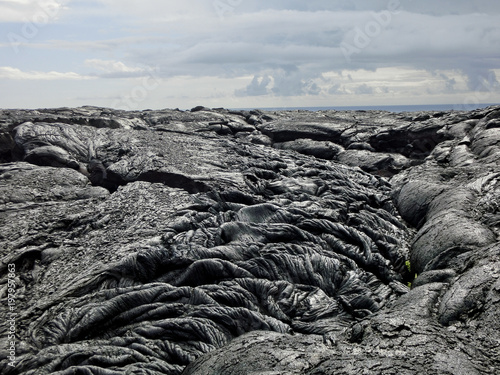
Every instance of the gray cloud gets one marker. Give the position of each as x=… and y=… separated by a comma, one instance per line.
x=449, y=82
x=296, y=42
x=363, y=89
x=254, y=43
x=480, y=78
x=336, y=89
x=433, y=7
x=258, y=87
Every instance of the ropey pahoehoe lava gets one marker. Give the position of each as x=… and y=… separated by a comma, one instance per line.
x=214, y=241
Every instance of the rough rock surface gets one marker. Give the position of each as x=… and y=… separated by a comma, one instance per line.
x=248, y=242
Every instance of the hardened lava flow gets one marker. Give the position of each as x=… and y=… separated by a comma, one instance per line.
x=234, y=242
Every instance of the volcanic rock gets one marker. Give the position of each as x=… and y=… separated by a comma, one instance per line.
x=234, y=242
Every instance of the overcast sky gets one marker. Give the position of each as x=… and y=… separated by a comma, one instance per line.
x=247, y=53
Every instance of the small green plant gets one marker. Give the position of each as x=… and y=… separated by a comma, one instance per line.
x=408, y=266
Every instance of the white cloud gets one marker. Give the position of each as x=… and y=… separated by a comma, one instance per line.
x=38, y=12
x=7, y=72
x=116, y=69
x=159, y=11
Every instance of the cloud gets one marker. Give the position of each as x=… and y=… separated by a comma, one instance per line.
x=336, y=89
x=93, y=46
x=364, y=89
x=258, y=87
x=295, y=82
x=157, y=12
x=116, y=69
x=235, y=7
x=253, y=43
x=35, y=11
x=282, y=50
x=449, y=82
x=7, y=72
x=481, y=79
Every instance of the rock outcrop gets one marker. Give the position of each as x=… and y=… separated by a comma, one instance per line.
x=237, y=242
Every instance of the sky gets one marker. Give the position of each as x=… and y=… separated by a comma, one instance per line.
x=153, y=54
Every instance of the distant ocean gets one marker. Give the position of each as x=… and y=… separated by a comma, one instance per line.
x=390, y=108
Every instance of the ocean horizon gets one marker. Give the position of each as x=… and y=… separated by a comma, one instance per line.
x=389, y=108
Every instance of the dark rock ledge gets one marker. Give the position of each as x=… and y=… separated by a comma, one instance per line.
x=234, y=242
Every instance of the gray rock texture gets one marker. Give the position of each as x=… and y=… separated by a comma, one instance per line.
x=227, y=242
